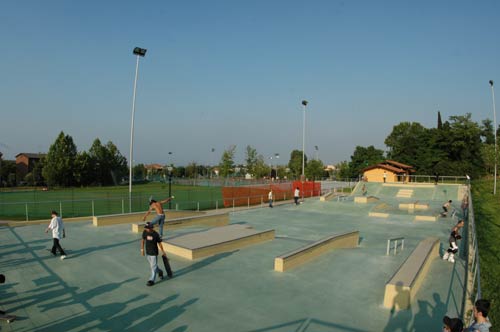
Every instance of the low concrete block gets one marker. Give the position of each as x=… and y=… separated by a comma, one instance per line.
x=216, y=240
x=405, y=283
x=425, y=218
x=307, y=253
x=365, y=199
x=378, y=215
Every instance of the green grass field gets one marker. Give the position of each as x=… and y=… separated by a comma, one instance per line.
x=487, y=214
x=79, y=202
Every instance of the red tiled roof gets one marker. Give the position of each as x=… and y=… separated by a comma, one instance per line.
x=398, y=164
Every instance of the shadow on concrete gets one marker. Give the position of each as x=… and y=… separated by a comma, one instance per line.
x=399, y=320
x=155, y=322
x=202, y=264
x=309, y=325
x=85, y=251
x=85, y=296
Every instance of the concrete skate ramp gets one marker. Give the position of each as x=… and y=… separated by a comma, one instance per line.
x=216, y=240
x=306, y=253
x=405, y=283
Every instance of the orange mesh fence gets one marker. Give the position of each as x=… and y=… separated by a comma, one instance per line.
x=257, y=194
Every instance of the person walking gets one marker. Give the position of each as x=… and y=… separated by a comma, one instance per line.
x=454, y=237
x=385, y=176
x=150, y=242
x=160, y=215
x=270, y=198
x=296, y=195
x=481, y=322
x=58, y=232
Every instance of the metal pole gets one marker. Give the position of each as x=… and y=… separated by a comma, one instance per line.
x=27, y=218
x=170, y=190
x=131, y=152
x=303, y=140
x=93, y=214
x=123, y=206
x=60, y=209
x=495, y=132
x=388, y=246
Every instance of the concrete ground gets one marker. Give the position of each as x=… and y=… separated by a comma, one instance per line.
x=101, y=286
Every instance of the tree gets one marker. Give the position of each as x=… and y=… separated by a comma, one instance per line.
x=343, y=170
x=251, y=159
x=261, y=169
x=227, y=161
x=315, y=170
x=7, y=169
x=407, y=143
x=110, y=167
x=37, y=172
x=60, y=161
x=192, y=170
x=84, y=169
x=487, y=131
x=295, y=163
x=440, y=122
x=363, y=157
x=139, y=172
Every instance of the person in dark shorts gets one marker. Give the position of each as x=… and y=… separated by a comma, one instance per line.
x=151, y=240
x=453, y=239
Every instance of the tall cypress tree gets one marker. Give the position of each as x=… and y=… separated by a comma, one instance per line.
x=440, y=123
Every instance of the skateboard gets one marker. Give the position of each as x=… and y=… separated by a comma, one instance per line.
x=8, y=318
x=167, y=266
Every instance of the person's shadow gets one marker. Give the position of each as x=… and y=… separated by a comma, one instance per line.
x=422, y=318
x=399, y=319
x=439, y=309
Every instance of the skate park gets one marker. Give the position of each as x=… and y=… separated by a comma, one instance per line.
x=101, y=285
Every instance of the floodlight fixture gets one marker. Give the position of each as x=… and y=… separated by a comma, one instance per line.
x=140, y=51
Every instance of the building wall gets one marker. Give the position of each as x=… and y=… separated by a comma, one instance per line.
x=22, y=167
x=377, y=175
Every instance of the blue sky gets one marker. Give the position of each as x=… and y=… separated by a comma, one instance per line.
x=234, y=72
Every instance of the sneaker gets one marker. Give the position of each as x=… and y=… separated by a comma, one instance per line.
x=446, y=255
x=63, y=257
x=150, y=283
x=451, y=259
x=160, y=274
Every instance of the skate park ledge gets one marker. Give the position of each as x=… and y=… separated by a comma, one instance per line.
x=405, y=283
x=306, y=253
x=211, y=220
x=216, y=240
x=127, y=218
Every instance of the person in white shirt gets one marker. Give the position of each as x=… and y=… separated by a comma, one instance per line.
x=296, y=195
x=58, y=232
x=270, y=197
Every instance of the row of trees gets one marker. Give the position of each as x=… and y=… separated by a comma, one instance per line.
x=458, y=146
x=65, y=166
x=256, y=166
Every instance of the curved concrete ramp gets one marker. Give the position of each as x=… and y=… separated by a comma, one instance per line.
x=215, y=241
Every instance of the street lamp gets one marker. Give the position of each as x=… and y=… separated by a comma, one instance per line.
x=170, y=168
x=304, y=104
x=495, y=132
x=139, y=52
x=1, y=154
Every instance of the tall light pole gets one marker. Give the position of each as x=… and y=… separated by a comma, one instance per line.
x=304, y=104
x=495, y=132
x=139, y=52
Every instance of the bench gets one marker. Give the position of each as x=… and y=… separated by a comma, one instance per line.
x=306, y=253
x=212, y=220
x=405, y=283
x=127, y=218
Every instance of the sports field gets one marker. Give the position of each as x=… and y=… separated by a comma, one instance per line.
x=81, y=202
